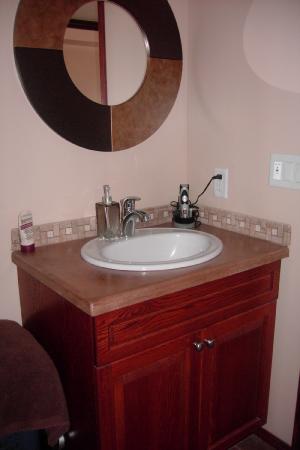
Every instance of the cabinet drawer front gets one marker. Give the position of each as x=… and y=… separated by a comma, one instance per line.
x=144, y=325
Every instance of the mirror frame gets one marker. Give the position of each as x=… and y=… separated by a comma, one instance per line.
x=38, y=47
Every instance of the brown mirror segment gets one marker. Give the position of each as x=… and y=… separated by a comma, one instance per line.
x=38, y=43
x=59, y=103
x=159, y=25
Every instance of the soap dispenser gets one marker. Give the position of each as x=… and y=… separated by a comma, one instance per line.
x=108, y=216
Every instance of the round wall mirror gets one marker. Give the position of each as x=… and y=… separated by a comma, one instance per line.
x=107, y=66
x=120, y=121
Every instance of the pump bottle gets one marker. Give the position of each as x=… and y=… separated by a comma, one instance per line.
x=108, y=216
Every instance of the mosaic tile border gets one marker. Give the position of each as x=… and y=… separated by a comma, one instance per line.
x=277, y=232
x=69, y=230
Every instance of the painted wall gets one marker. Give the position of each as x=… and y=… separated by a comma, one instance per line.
x=58, y=180
x=237, y=116
x=244, y=104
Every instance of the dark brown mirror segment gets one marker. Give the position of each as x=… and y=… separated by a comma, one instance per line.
x=38, y=43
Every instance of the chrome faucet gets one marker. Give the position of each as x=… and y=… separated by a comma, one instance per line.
x=129, y=215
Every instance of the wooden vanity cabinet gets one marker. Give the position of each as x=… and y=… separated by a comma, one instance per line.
x=186, y=371
x=175, y=397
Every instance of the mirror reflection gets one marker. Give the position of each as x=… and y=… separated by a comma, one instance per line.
x=105, y=52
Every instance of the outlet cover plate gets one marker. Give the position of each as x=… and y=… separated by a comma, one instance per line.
x=285, y=171
x=221, y=186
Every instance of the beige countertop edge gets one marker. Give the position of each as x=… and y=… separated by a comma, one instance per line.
x=186, y=281
x=95, y=307
x=51, y=283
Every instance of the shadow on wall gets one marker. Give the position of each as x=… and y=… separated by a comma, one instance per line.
x=271, y=42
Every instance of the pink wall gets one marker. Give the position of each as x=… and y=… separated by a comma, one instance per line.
x=58, y=180
x=236, y=119
x=237, y=116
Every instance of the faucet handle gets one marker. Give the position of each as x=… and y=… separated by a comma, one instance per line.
x=128, y=204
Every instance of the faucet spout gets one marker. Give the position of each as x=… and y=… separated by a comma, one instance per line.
x=128, y=223
x=129, y=215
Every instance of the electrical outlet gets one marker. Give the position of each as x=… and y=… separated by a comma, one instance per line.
x=285, y=171
x=221, y=186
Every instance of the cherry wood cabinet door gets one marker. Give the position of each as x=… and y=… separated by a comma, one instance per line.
x=145, y=401
x=235, y=377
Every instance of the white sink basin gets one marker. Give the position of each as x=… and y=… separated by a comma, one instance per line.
x=153, y=249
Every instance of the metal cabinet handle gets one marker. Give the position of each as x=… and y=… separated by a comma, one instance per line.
x=199, y=346
x=210, y=343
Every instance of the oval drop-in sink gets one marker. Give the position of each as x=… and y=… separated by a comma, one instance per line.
x=153, y=249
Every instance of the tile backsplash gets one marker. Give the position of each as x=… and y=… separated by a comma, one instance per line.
x=268, y=230
x=68, y=230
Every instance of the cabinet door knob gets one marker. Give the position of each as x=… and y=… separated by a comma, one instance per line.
x=210, y=343
x=199, y=346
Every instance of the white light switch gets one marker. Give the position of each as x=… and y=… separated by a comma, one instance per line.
x=285, y=171
x=277, y=170
x=297, y=173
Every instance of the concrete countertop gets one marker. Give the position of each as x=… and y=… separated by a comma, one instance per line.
x=96, y=291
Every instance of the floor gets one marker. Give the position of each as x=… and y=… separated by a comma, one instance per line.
x=252, y=443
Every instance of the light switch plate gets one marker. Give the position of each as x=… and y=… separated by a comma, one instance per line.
x=285, y=171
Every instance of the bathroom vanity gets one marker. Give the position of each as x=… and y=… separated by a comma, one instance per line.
x=172, y=360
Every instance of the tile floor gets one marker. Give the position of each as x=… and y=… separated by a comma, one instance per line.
x=252, y=443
